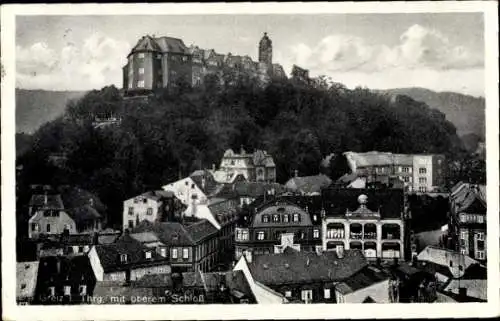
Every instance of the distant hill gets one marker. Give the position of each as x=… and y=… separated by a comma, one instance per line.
x=466, y=112
x=36, y=107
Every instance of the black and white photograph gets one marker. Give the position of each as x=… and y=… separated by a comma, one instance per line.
x=189, y=156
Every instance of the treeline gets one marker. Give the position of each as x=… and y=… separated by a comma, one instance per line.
x=183, y=129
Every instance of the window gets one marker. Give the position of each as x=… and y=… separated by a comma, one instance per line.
x=67, y=290
x=480, y=219
x=130, y=224
x=480, y=245
x=244, y=235
x=123, y=258
x=141, y=55
x=463, y=218
x=276, y=218
x=306, y=295
x=327, y=293
x=480, y=255
x=131, y=211
x=265, y=218
x=80, y=249
x=141, y=71
x=130, y=85
x=82, y=290
x=163, y=252
x=422, y=170
x=480, y=236
x=140, y=84
x=148, y=255
x=460, y=268
x=286, y=218
x=48, y=228
x=406, y=179
x=52, y=290
x=149, y=211
x=288, y=294
x=316, y=233
x=158, y=56
x=451, y=263
x=34, y=227
x=174, y=253
x=296, y=217
x=422, y=189
x=260, y=236
x=406, y=169
x=463, y=235
x=185, y=253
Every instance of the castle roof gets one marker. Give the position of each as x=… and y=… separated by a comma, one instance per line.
x=172, y=45
x=146, y=43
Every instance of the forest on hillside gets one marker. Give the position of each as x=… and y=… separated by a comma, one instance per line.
x=183, y=129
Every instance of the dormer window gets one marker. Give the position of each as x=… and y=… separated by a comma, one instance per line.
x=276, y=218
x=141, y=55
x=67, y=290
x=82, y=290
x=265, y=218
x=148, y=255
x=123, y=258
x=296, y=217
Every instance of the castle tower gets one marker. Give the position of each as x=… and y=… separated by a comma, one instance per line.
x=266, y=50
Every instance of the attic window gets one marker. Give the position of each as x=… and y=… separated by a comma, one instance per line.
x=123, y=258
x=148, y=255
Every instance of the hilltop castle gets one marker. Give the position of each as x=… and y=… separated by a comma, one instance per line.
x=156, y=63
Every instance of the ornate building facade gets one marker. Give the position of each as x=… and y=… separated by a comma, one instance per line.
x=156, y=63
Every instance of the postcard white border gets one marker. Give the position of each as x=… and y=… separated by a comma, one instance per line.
x=290, y=311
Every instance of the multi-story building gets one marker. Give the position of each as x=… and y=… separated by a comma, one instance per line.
x=187, y=246
x=275, y=225
x=158, y=62
x=420, y=173
x=152, y=206
x=371, y=220
x=467, y=219
x=255, y=167
x=126, y=260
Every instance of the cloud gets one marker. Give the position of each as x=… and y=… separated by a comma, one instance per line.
x=94, y=63
x=418, y=47
x=420, y=51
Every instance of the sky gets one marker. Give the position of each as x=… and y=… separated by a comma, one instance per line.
x=438, y=51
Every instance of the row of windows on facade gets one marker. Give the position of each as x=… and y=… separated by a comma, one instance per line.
x=82, y=290
x=35, y=227
x=421, y=170
x=339, y=233
x=285, y=218
x=141, y=55
x=149, y=211
x=162, y=251
x=471, y=218
x=243, y=235
x=307, y=295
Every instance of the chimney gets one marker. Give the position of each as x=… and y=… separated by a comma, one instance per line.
x=296, y=173
x=248, y=256
x=308, y=262
x=339, y=249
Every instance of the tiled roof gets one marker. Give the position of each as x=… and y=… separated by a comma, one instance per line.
x=200, y=230
x=475, y=288
x=308, y=184
x=109, y=254
x=172, y=45
x=145, y=237
x=157, y=195
x=170, y=233
x=256, y=189
x=146, y=43
x=53, y=201
x=26, y=275
x=204, y=176
x=364, y=278
x=234, y=280
x=83, y=213
x=443, y=257
x=390, y=202
x=301, y=267
x=77, y=239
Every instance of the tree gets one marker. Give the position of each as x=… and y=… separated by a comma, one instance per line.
x=339, y=166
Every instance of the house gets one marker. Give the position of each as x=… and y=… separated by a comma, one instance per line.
x=420, y=172
x=255, y=167
x=26, y=280
x=467, y=220
x=195, y=189
x=446, y=264
x=126, y=260
x=71, y=209
x=247, y=192
x=371, y=284
x=308, y=185
x=189, y=245
x=152, y=206
x=64, y=280
x=268, y=227
x=303, y=277
x=371, y=220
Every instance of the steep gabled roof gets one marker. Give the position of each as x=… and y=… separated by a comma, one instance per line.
x=49, y=202
x=364, y=278
x=146, y=43
x=302, y=267
x=169, y=233
x=201, y=230
x=172, y=45
x=109, y=254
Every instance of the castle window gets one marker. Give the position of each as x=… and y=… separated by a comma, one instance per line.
x=141, y=71
x=141, y=55
x=422, y=170
x=140, y=84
